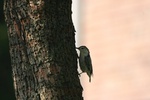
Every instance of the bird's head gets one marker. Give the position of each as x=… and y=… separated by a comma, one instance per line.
x=83, y=50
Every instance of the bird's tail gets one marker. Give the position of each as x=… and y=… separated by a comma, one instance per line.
x=89, y=78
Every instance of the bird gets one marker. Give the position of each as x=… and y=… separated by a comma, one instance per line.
x=85, y=61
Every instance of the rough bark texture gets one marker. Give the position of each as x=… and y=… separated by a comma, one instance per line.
x=42, y=49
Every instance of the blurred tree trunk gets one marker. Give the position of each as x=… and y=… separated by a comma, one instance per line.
x=42, y=48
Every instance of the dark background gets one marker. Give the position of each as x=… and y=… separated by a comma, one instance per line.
x=6, y=81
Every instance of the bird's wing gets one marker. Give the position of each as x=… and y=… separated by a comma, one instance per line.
x=89, y=63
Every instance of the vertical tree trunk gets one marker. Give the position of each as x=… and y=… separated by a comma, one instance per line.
x=42, y=49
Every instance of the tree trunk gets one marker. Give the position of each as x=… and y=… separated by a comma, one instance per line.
x=42, y=49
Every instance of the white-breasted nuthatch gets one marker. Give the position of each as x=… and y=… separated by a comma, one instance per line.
x=85, y=61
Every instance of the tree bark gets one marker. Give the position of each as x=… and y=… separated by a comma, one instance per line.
x=42, y=48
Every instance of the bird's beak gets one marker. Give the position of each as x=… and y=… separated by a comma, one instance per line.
x=77, y=47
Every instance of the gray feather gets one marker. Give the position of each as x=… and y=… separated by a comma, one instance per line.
x=89, y=63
